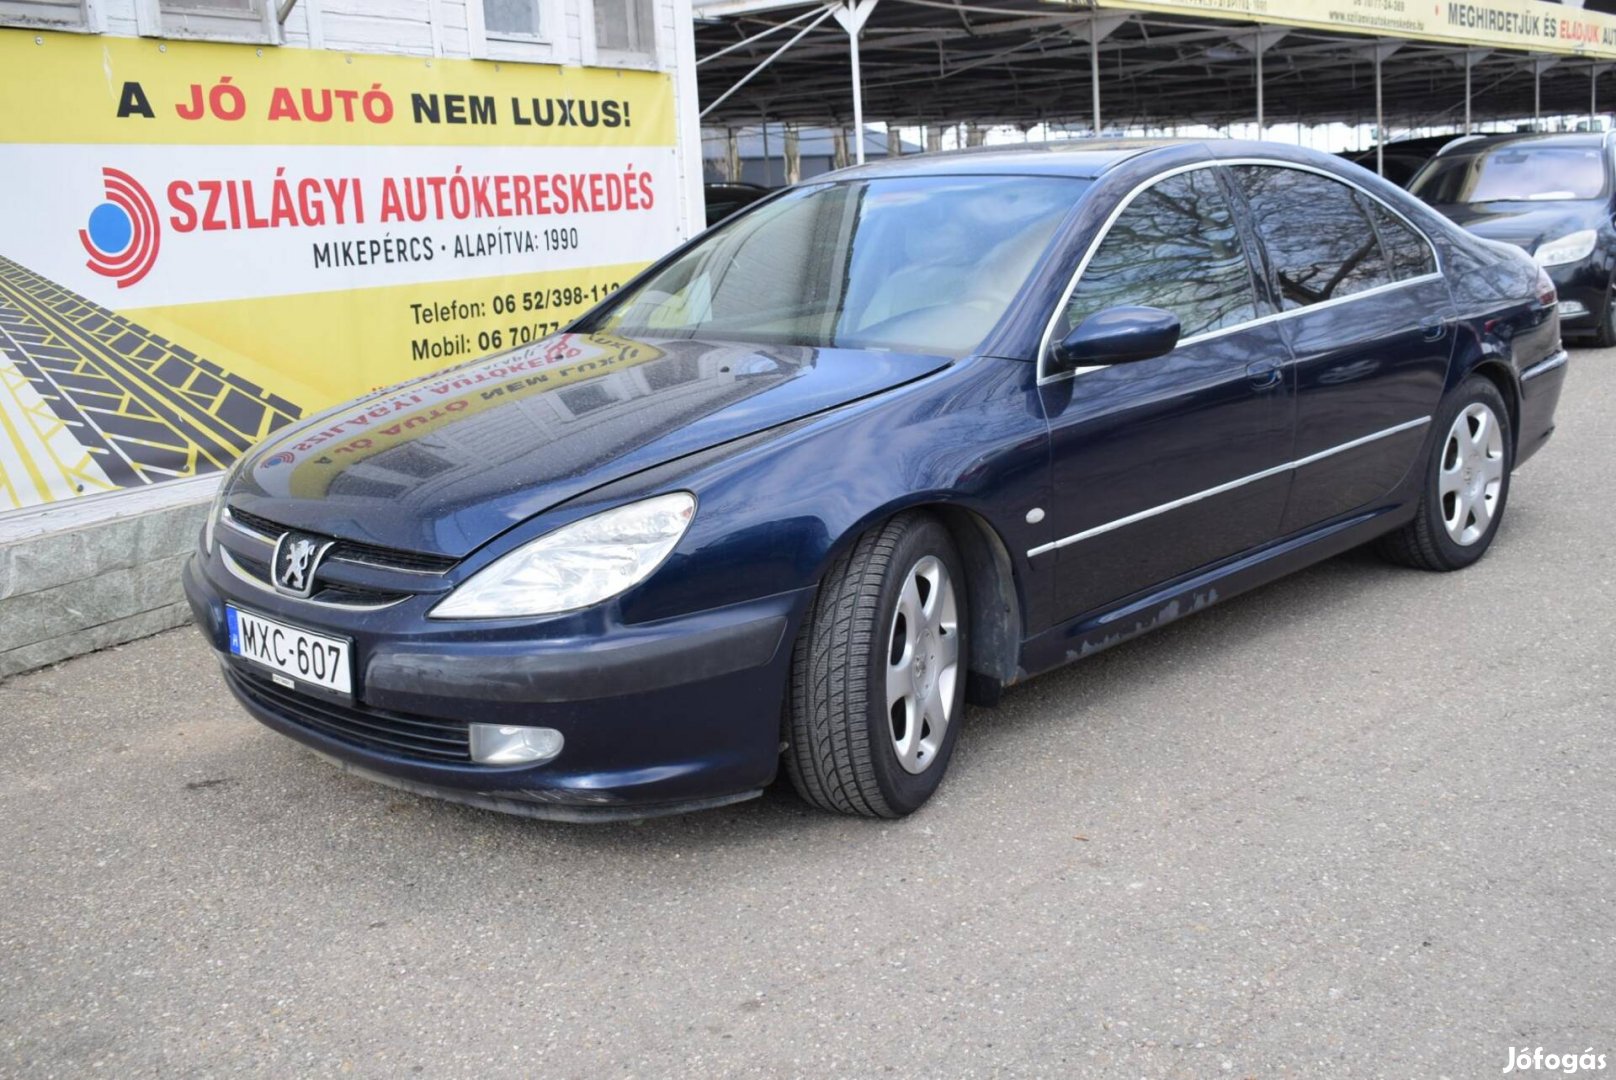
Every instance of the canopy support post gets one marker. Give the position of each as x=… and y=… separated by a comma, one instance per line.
x=1379, y=52
x=1094, y=69
x=1260, y=42
x=852, y=15
x=1260, y=125
x=1468, y=60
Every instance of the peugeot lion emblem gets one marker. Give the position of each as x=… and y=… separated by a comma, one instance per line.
x=296, y=558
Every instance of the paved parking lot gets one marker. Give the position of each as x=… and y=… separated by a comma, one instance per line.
x=1360, y=823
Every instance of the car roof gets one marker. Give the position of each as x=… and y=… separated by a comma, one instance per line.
x=1477, y=143
x=1086, y=159
x=1082, y=158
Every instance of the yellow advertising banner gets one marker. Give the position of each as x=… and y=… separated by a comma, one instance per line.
x=203, y=242
x=1531, y=25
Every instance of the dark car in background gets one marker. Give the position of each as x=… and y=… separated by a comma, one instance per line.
x=721, y=199
x=908, y=433
x=1403, y=158
x=1551, y=196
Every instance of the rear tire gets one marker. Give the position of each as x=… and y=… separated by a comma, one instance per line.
x=1466, y=484
x=878, y=673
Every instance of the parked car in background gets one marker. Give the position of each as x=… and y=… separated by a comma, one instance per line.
x=724, y=199
x=910, y=432
x=1403, y=157
x=1550, y=195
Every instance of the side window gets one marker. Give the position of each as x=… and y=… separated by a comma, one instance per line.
x=1408, y=251
x=1318, y=238
x=1176, y=246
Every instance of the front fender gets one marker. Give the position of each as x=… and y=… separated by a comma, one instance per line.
x=776, y=511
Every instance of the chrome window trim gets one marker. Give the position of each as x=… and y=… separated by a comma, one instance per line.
x=1105, y=229
x=1143, y=515
x=240, y=573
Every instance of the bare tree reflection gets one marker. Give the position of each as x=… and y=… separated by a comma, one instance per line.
x=1175, y=247
x=1321, y=243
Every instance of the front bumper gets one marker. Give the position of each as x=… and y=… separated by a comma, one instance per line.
x=657, y=717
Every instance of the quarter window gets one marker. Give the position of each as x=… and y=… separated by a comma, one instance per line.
x=1409, y=253
x=1319, y=239
x=1176, y=246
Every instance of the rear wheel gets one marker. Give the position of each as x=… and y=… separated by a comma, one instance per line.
x=878, y=673
x=1466, y=484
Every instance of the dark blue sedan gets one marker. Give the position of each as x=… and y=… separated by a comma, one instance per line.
x=890, y=440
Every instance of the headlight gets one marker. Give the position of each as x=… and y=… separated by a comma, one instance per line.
x=1567, y=249
x=578, y=565
x=216, y=508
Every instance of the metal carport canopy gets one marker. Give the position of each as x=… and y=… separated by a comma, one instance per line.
x=1146, y=62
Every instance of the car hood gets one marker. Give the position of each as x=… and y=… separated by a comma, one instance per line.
x=444, y=464
x=1524, y=224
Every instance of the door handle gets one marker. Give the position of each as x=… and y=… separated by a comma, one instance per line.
x=1264, y=374
x=1432, y=329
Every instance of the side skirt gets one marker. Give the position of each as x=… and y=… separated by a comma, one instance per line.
x=1092, y=633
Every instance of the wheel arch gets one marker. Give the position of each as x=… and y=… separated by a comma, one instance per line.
x=1496, y=371
x=992, y=590
x=994, y=647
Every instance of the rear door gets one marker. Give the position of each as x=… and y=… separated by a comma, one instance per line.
x=1163, y=466
x=1371, y=324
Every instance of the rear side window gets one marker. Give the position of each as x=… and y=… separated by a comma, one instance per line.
x=1410, y=255
x=1318, y=237
x=1176, y=246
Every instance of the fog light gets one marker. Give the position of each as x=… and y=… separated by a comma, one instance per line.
x=1570, y=309
x=499, y=744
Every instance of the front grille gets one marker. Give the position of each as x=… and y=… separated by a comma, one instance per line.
x=354, y=551
x=376, y=729
x=327, y=592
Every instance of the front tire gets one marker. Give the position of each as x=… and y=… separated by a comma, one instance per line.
x=878, y=673
x=1466, y=483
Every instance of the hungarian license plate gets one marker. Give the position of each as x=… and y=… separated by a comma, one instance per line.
x=289, y=651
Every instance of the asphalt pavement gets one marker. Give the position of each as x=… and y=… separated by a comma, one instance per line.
x=1358, y=823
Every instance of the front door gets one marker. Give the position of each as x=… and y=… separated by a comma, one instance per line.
x=1163, y=466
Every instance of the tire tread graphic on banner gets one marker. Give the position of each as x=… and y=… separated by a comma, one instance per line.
x=139, y=407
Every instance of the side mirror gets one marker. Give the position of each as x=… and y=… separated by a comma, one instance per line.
x=1119, y=335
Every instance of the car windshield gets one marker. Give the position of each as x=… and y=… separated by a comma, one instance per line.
x=912, y=264
x=1514, y=172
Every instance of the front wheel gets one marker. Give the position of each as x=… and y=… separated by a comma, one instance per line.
x=1466, y=483
x=878, y=673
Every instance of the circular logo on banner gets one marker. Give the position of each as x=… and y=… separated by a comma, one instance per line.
x=122, y=234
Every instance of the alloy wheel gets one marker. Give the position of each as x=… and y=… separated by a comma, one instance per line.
x=922, y=664
x=1471, y=477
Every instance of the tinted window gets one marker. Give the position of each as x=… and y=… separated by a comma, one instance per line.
x=1319, y=239
x=1410, y=255
x=1176, y=247
x=922, y=264
x=1514, y=172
